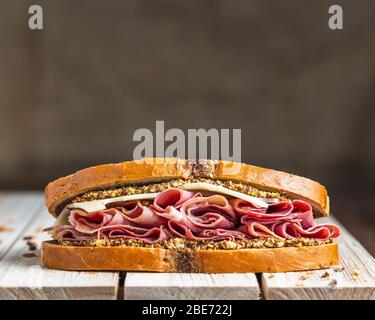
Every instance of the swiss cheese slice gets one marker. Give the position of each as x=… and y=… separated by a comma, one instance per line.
x=95, y=205
x=202, y=186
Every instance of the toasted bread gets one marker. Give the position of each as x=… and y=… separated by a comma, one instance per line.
x=119, y=258
x=59, y=192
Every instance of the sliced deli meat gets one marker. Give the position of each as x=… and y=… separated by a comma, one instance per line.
x=172, y=198
x=256, y=230
x=68, y=232
x=181, y=231
x=138, y=214
x=172, y=214
x=211, y=212
x=91, y=222
x=190, y=215
x=290, y=230
x=275, y=210
x=131, y=232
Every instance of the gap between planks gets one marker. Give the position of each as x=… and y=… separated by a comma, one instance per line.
x=22, y=276
x=354, y=279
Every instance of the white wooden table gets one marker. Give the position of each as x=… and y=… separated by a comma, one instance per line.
x=23, y=215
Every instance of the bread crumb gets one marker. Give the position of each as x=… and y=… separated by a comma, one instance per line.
x=271, y=276
x=39, y=230
x=339, y=269
x=332, y=284
x=299, y=284
x=5, y=229
x=356, y=273
x=305, y=276
x=325, y=275
x=29, y=255
x=32, y=245
x=28, y=237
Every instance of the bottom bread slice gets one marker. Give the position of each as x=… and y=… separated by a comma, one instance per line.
x=122, y=258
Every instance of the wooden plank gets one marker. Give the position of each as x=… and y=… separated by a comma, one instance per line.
x=194, y=286
x=16, y=211
x=22, y=276
x=353, y=279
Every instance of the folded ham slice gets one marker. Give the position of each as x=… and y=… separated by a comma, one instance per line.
x=138, y=214
x=212, y=212
x=90, y=223
x=172, y=214
x=281, y=211
x=130, y=232
x=195, y=211
x=256, y=230
x=182, y=231
x=68, y=232
x=274, y=210
x=172, y=198
x=282, y=220
x=290, y=230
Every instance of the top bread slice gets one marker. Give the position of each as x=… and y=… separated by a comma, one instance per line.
x=61, y=191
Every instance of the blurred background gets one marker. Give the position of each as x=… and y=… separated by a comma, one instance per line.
x=72, y=95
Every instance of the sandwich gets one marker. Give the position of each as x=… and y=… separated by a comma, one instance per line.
x=175, y=215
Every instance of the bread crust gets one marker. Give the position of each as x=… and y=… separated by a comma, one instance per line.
x=62, y=190
x=286, y=259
